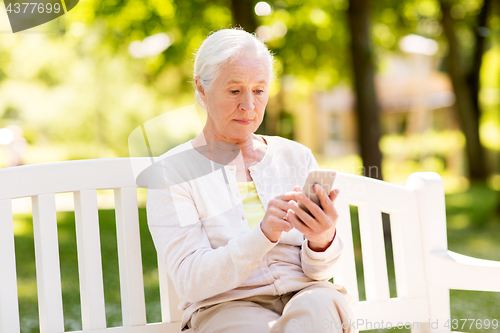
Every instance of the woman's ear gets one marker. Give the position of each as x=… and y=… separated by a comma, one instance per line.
x=200, y=89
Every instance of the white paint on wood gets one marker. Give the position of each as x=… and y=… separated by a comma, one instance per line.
x=168, y=296
x=48, y=273
x=89, y=260
x=129, y=257
x=429, y=191
x=346, y=276
x=408, y=262
x=463, y=272
x=394, y=311
x=69, y=176
x=9, y=307
x=149, y=328
x=373, y=253
x=425, y=269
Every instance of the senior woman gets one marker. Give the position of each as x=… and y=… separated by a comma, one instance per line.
x=223, y=214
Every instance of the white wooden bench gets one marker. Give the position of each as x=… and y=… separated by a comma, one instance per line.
x=424, y=268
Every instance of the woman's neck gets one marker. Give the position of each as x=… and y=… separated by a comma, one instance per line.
x=217, y=149
x=247, y=146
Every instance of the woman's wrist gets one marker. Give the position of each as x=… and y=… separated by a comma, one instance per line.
x=268, y=235
x=321, y=246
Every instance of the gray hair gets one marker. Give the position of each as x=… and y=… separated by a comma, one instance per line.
x=222, y=46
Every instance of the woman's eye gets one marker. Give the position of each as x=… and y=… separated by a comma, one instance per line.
x=234, y=92
x=259, y=91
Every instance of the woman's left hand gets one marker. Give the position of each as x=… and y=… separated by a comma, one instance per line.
x=318, y=230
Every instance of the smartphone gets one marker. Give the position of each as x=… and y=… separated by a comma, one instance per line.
x=324, y=178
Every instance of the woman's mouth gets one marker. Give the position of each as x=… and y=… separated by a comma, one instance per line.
x=243, y=121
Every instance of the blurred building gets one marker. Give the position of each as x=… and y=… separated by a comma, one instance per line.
x=413, y=96
x=408, y=105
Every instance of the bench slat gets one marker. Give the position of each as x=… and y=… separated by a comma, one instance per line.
x=129, y=257
x=395, y=310
x=9, y=306
x=373, y=251
x=400, y=263
x=48, y=273
x=70, y=176
x=168, y=296
x=358, y=190
x=408, y=263
x=410, y=279
x=89, y=260
x=347, y=274
x=149, y=328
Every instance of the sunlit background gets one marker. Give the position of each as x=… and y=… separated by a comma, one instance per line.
x=77, y=87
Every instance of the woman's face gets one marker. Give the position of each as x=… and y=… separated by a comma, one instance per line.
x=237, y=99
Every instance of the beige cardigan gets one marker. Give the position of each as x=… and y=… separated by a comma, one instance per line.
x=199, y=228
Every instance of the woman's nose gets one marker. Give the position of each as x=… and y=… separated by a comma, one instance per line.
x=246, y=102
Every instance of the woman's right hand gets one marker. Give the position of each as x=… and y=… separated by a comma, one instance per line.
x=273, y=223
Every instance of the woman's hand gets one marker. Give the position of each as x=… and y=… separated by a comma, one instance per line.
x=318, y=230
x=274, y=222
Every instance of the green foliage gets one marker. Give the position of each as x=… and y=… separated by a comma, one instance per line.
x=78, y=93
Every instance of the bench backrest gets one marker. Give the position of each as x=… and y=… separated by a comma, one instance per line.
x=372, y=198
x=84, y=178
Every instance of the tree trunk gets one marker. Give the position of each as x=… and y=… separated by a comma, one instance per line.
x=463, y=99
x=367, y=108
x=243, y=14
x=480, y=34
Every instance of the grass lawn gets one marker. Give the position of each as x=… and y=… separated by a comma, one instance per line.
x=473, y=229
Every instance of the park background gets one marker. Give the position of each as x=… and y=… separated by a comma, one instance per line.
x=395, y=86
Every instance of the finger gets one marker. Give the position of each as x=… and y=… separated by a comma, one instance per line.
x=297, y=188
x=334, y=194
x=278, y=206
x=280, y=224
x=304, y=217
x=315, y=210
x=297, y=223
x=292, y=195
x=324, y=199
x=277, y=213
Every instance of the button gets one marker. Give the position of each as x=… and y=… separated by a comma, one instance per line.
x=243, y=218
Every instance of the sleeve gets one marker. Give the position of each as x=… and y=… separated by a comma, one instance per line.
x=320, y=265
x=197, y=270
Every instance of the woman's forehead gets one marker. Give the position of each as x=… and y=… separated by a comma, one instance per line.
x=244, y=68
x=259, y=79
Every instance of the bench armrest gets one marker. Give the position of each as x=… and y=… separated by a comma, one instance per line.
x=457, y=271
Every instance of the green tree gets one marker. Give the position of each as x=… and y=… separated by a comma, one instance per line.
x=243, y=14
x=466, y=95
x=367, y=108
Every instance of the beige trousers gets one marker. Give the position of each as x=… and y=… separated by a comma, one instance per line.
x=317, y=308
